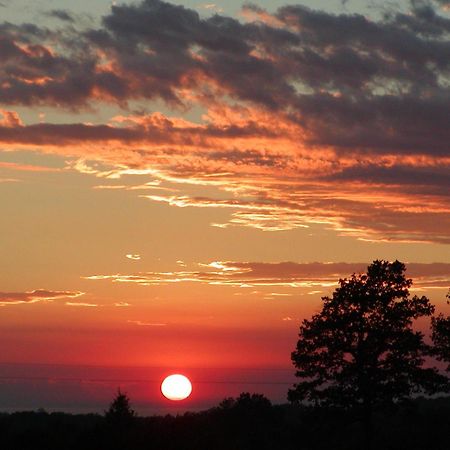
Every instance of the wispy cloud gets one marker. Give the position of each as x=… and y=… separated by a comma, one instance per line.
x=82, y=304
x=146, y=324
x=213, y=7
x=35, y=296
x=133, y=256
x=26, y=167
x=61, y=14
x=285, y=274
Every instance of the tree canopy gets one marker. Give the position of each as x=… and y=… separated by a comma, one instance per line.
x=440, y=333
x=361, y=349
x=120, y=412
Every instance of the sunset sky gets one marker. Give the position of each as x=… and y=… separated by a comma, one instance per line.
x=181, y=182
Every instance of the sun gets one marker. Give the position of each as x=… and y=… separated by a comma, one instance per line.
x=176, y=387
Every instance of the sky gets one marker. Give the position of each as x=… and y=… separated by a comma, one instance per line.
x=181, y=182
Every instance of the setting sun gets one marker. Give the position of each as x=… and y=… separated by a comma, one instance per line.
x=176, y=387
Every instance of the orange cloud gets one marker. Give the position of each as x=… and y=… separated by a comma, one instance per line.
x=287, y=274
x=270, y=179
x=81, y=304
x=10, y=119
x=35, y=296
x=146, y=324
x=26, y=167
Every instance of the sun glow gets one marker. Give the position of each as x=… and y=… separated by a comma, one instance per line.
x=176, y=387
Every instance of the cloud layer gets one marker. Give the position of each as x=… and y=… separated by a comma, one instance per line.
x=287, y=274
x=308, y=117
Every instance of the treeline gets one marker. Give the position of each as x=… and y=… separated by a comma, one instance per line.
x=246, y=423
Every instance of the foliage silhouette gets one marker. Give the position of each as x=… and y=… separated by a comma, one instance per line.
x=120, y=423
x=246, y=402
x=440, y=334
x=361, y=350
x=120, y=412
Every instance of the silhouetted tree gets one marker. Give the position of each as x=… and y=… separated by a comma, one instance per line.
x=440, y=328
x=361, y=350
x=246, y=401
x=120, y=412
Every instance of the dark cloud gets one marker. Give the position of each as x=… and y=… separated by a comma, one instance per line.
x=153, y=129
x=445, y=3
x=425, y=20
x=381, y=124
x=64, y=134
x=419, y=177
x=61, y=14
x=350, y=81
x=32, y=72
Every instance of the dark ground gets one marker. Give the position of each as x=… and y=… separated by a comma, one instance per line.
x=249, y=422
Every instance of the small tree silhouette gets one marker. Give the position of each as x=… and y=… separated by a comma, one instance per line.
x=361, y=350
x=246, y=401
x=120, y=413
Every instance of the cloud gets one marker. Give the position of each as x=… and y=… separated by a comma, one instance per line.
x=10, y=119
x=26, y=167
x=133, y=257
x=35, y=296
x=444, y=3
x=81, y=304
x=146, y=324
x=210, y=7
x=285, y=185
x=308, y=117
x=285, y=274
x=61, y=14
x=333, y=73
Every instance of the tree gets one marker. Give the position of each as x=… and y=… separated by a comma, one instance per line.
x=120, y=412
x=246, y=401
x=361, y=350
x=440, y=334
